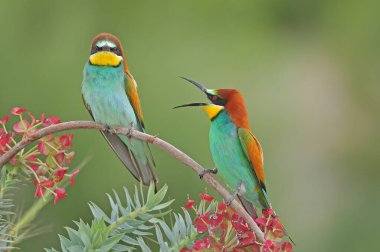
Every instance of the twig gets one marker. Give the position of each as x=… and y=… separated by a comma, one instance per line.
x=178, y=154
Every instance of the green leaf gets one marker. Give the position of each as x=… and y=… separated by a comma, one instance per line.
x=143, y=245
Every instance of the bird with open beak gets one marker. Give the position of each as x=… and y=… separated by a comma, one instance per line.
x=236, y=152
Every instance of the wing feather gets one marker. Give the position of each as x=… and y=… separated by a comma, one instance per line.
x=254, y=153
x=131, y=89
x=121, y=149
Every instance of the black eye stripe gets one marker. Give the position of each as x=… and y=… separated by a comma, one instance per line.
x=217, y=100
x=115, y=50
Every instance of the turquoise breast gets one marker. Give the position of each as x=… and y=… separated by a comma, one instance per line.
x=103, y=89
x=233, y=166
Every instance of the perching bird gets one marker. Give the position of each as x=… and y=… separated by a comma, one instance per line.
x=236, y=152
x=110, y=95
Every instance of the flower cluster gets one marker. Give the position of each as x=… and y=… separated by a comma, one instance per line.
x=47, y=161
x=222, y=229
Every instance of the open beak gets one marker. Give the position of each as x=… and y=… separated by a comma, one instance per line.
x=196, y=104
x=201, y=87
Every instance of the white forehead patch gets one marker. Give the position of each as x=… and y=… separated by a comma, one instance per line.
x=211, y=91
x=108, y=43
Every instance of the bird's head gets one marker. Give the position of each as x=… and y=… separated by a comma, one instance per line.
x=229, y=100
x=106, y=50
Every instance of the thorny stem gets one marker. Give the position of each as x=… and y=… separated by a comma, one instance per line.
x=178, y=154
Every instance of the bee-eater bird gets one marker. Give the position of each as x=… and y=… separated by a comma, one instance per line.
x=237, y=153
x=110, y=95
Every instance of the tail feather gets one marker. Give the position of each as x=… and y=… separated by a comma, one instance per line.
x=286, y=233
x=142, y=171
x=248, y=206
x=122, y=153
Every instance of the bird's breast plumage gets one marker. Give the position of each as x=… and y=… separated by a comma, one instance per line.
x=230, y=158
x=103, y=90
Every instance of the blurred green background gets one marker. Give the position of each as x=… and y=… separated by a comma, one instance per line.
x=309, y=71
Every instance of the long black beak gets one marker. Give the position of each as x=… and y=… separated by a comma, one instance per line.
x=196, y=104
x=201, y=87
x=198, y=85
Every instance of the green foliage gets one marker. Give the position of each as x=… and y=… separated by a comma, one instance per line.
x=122, y=229
x=6, y=204
x=130, y=225
x=182, y=233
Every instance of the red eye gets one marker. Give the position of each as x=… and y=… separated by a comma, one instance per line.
x=214, y=98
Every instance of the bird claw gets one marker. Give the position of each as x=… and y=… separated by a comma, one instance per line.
x=108, y=129
x=233, y=196
x=206, y=171
x=130, y=130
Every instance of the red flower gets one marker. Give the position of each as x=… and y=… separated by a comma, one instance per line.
x=21, y=126
x=60, y=157
x=50, y=120
x=247, y=239
x=202, y=244
x=261, y=221
x=189, y=204
x=39, y=192
x=5, y=139
x=66, y=140
x=72, y=176
x=46, y=183
x=59, y=194
x=268, y=246
x=32, y=117
x=216, y=219
x=275, y=225
x=268, y=212
x=222, y=207
x=4, y=119
x=41, y=187
x=42, y=148
x=17, y=111
x=206, y=197
x=287, y=247
x=60, y=173
x=201, y=223
x=32, y=158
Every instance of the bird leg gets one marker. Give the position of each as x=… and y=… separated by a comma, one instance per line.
x=108, y=129
x=233, y=196
x=130, y=130
x=206, y=171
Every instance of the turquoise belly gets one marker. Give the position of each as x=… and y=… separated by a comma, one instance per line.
x=229, y=158
x=103, y=89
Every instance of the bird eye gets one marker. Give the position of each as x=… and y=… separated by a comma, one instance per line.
x=214, y=98
x=98, y=48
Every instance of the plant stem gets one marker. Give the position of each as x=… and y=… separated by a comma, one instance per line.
x=27, y=218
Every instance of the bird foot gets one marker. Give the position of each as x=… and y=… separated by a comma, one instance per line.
x=130, y=130
x=233, y=196
x=108, y=129
x=206, y=171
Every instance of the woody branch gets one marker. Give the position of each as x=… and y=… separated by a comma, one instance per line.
x=178, y=154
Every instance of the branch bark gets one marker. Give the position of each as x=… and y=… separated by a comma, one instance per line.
x=178, y=154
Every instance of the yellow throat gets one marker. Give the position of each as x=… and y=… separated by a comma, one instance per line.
x=212, y=110
x=105, y=59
